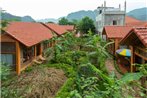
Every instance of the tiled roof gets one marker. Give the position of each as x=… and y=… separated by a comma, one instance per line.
x=142, y=35
x=137, y=24
x=68, y=27
x=28, y=33
x=116, y=31
x=130, y=21
x=56, y=28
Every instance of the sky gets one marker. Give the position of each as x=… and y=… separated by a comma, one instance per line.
x=41, y=9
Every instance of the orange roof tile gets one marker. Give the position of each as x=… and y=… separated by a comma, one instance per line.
x=28, y=33
x=116, y=31
x=130, y=21
x=137, y=24
x=56, y=28
x=68, y=27
x=141, y=33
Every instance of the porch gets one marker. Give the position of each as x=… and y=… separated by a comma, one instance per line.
x=28, y=55
x=34, y=60
x=138, y=56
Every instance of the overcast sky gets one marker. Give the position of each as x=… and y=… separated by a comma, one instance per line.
x=40, y=9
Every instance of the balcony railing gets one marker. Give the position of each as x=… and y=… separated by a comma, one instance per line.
x=141, y=51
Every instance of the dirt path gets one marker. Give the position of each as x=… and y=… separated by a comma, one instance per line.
x=110, y=68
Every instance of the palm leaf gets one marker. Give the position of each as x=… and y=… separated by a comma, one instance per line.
x=129, y=77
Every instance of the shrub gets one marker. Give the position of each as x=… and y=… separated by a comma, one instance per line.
x=5, y=71
x=64, y=91
x=72, y=57
x=69, y=70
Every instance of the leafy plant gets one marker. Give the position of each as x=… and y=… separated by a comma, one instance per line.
x=66, y=88
x=5, y=71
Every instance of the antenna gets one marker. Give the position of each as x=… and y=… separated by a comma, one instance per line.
x=119, y=7
x=104, y=3
x=125, y=5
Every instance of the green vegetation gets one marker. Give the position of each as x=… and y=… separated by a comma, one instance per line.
x=64, y=21
x=5, y=71
x=85, y=25
x=83, y=62
x=88, y=78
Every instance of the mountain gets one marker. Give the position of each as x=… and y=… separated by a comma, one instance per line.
x=10, y=17
x=73, y=16
x=27, y=19
x=81, y=14
x=140, y=14
x=48, y=20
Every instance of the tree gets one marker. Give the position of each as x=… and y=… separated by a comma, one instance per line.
x=3, y=23
x=63, y=21
x=85, y=25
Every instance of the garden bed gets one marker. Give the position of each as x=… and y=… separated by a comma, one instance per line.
x=37, y=82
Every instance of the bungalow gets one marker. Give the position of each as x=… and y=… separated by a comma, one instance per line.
x=21, y=43
x=115, y=34
x=136, y=39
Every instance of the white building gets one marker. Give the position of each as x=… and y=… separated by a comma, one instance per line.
x=110, y=16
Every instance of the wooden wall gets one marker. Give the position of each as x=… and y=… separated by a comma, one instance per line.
x=7, y=38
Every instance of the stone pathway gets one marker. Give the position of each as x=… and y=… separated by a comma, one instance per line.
x=110, y=68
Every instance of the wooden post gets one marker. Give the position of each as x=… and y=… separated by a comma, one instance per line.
x=132, y=58
x=143, y=61
x=40, y=49
x=116, y=46
x=18, y=67
x=35, y=51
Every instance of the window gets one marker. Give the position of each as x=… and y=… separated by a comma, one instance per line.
x=104, y=37
x=100, y=11
x=8, y=59
x=114, y=22
x=7, y=47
